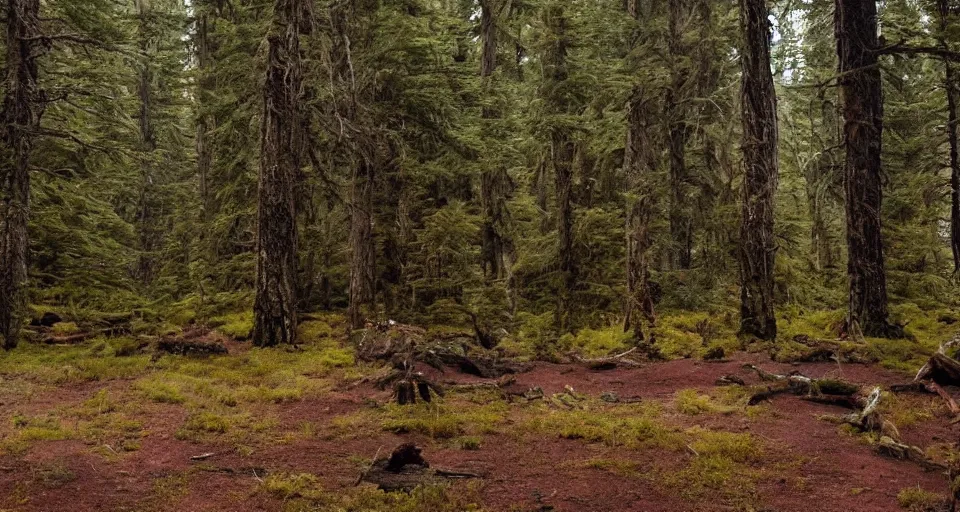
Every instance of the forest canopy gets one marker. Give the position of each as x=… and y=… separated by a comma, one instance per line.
x=530, y=168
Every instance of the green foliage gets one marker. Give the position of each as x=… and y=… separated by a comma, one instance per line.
x=144, y=178
x=691, y=402
x=919, y=500
x=302, y=491
x=237, y=325
x=447, y=420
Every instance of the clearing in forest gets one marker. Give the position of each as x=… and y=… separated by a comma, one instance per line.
x=113, y=424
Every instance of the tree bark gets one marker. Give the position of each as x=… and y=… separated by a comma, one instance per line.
x=639, y=162
x=363, y=161
x=275, y=315
x=20, y=116
x=205, y=122
x=561, y=155
x=362, y=248
x=760, y=135
x=818, y=179
x=147, y=223
x=855, y=23
x=953, y=97
x=678, y=133
x=495, y=183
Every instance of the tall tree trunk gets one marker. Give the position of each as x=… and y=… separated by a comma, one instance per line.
x=20, y=116
x=362, y=246
x=147, y=221
x=860, y=87
x=275, y=314
x=495, y=183
x=561, y=155
x=363, y=160
x=818, y=178
x=205, y=122
x=638, y=163
x=953, y=97
x=759, y=113
x=678, y=133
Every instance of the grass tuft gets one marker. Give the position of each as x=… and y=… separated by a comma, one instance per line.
x=915, y=499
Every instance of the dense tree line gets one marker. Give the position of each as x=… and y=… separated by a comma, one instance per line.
x=541, y=165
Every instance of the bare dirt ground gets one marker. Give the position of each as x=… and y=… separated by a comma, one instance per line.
x=806, y=463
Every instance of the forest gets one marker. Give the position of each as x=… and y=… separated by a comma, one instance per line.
x=480, y=255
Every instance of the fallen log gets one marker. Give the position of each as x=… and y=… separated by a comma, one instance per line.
x=819, y=350
x=607, y=363
x=940, y=370
x=798, y=384
x=406, y=469
x=847, y=402
x=192, y=347
x=868, y=419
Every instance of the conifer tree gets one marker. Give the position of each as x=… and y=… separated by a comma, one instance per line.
x=860, y=88
x=20, y=115
x=639, y=164
x=275, y=313
x=556, y=93
x=760, y=138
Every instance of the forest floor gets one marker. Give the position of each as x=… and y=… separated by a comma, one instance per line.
x=93, y=428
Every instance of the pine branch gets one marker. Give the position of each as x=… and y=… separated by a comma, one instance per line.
x=78, y=39
x=902, y=48
x=76, y=140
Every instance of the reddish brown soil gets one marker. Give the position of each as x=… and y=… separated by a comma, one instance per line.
x=822, y=468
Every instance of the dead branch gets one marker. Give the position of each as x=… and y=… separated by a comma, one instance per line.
x=902, y=48
x=607, y=363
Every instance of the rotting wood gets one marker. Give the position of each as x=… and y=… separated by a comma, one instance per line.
x=869, y=419
x=799, y=385
x=406, y=346
x=607, y=363
x=940, y=370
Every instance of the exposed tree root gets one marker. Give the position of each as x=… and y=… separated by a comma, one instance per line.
x=405, y=346
x=730, y=380
x=869, y=419
x=940, y=370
